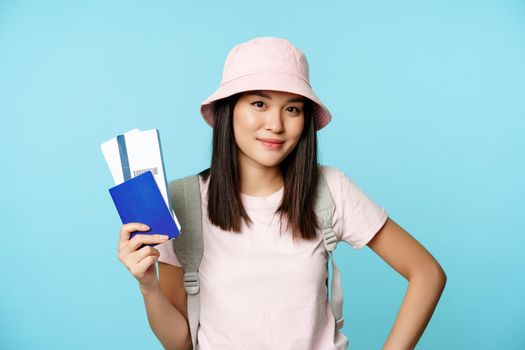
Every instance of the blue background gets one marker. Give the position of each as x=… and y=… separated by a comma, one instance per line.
x=428, y=106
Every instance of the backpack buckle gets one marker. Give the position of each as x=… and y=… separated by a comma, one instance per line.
x=191, y=282
x=329, y=239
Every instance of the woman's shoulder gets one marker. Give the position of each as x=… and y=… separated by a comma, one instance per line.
x=203, y=178
x=331, y=173
x=338, y=181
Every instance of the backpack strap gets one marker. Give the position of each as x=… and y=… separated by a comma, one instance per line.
x=324, y=210
x=185, y=199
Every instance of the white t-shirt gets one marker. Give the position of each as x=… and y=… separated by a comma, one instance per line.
x=259, y=289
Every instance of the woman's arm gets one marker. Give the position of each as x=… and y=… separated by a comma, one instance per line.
x=166, y=321
x=167, y=316
x=426, y=283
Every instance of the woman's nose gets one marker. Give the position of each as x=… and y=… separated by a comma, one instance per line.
x=274, y=121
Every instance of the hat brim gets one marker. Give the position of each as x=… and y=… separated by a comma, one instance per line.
x=267, y=81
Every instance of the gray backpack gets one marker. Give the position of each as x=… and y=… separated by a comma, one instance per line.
x=185, y=198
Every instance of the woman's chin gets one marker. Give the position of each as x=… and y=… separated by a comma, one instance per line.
x=269, y=162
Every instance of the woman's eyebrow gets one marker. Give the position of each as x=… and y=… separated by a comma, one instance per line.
x=262, y=94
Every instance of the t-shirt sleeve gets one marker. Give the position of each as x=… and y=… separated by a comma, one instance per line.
x=167, y=254
x=358, y=217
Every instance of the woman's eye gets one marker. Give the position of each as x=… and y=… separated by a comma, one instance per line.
x=294, y=109
x=259, y=104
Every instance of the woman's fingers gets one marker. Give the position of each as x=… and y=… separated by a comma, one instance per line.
x=140, y=254
x=139, y=261
x=139, y=239
x=126, y=229
x=139, y=269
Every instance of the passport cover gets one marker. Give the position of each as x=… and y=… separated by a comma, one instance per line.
x=139, y=200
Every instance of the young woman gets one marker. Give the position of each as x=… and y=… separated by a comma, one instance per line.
x=262, y=283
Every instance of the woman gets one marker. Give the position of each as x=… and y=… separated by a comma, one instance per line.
x=262, y=284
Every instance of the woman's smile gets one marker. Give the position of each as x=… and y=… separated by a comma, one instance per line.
x=271, y=144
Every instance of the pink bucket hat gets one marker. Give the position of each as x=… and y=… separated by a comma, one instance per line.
x=266, y=63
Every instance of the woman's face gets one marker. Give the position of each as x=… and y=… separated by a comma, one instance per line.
x=267, y=126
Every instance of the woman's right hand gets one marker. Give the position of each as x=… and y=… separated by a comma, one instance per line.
x=142, y=262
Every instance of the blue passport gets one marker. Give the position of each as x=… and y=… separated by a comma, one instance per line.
x=139, y=200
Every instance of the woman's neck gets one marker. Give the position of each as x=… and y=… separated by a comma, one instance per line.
x=260, y=181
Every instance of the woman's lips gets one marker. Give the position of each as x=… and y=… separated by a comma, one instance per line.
x=271, y=144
